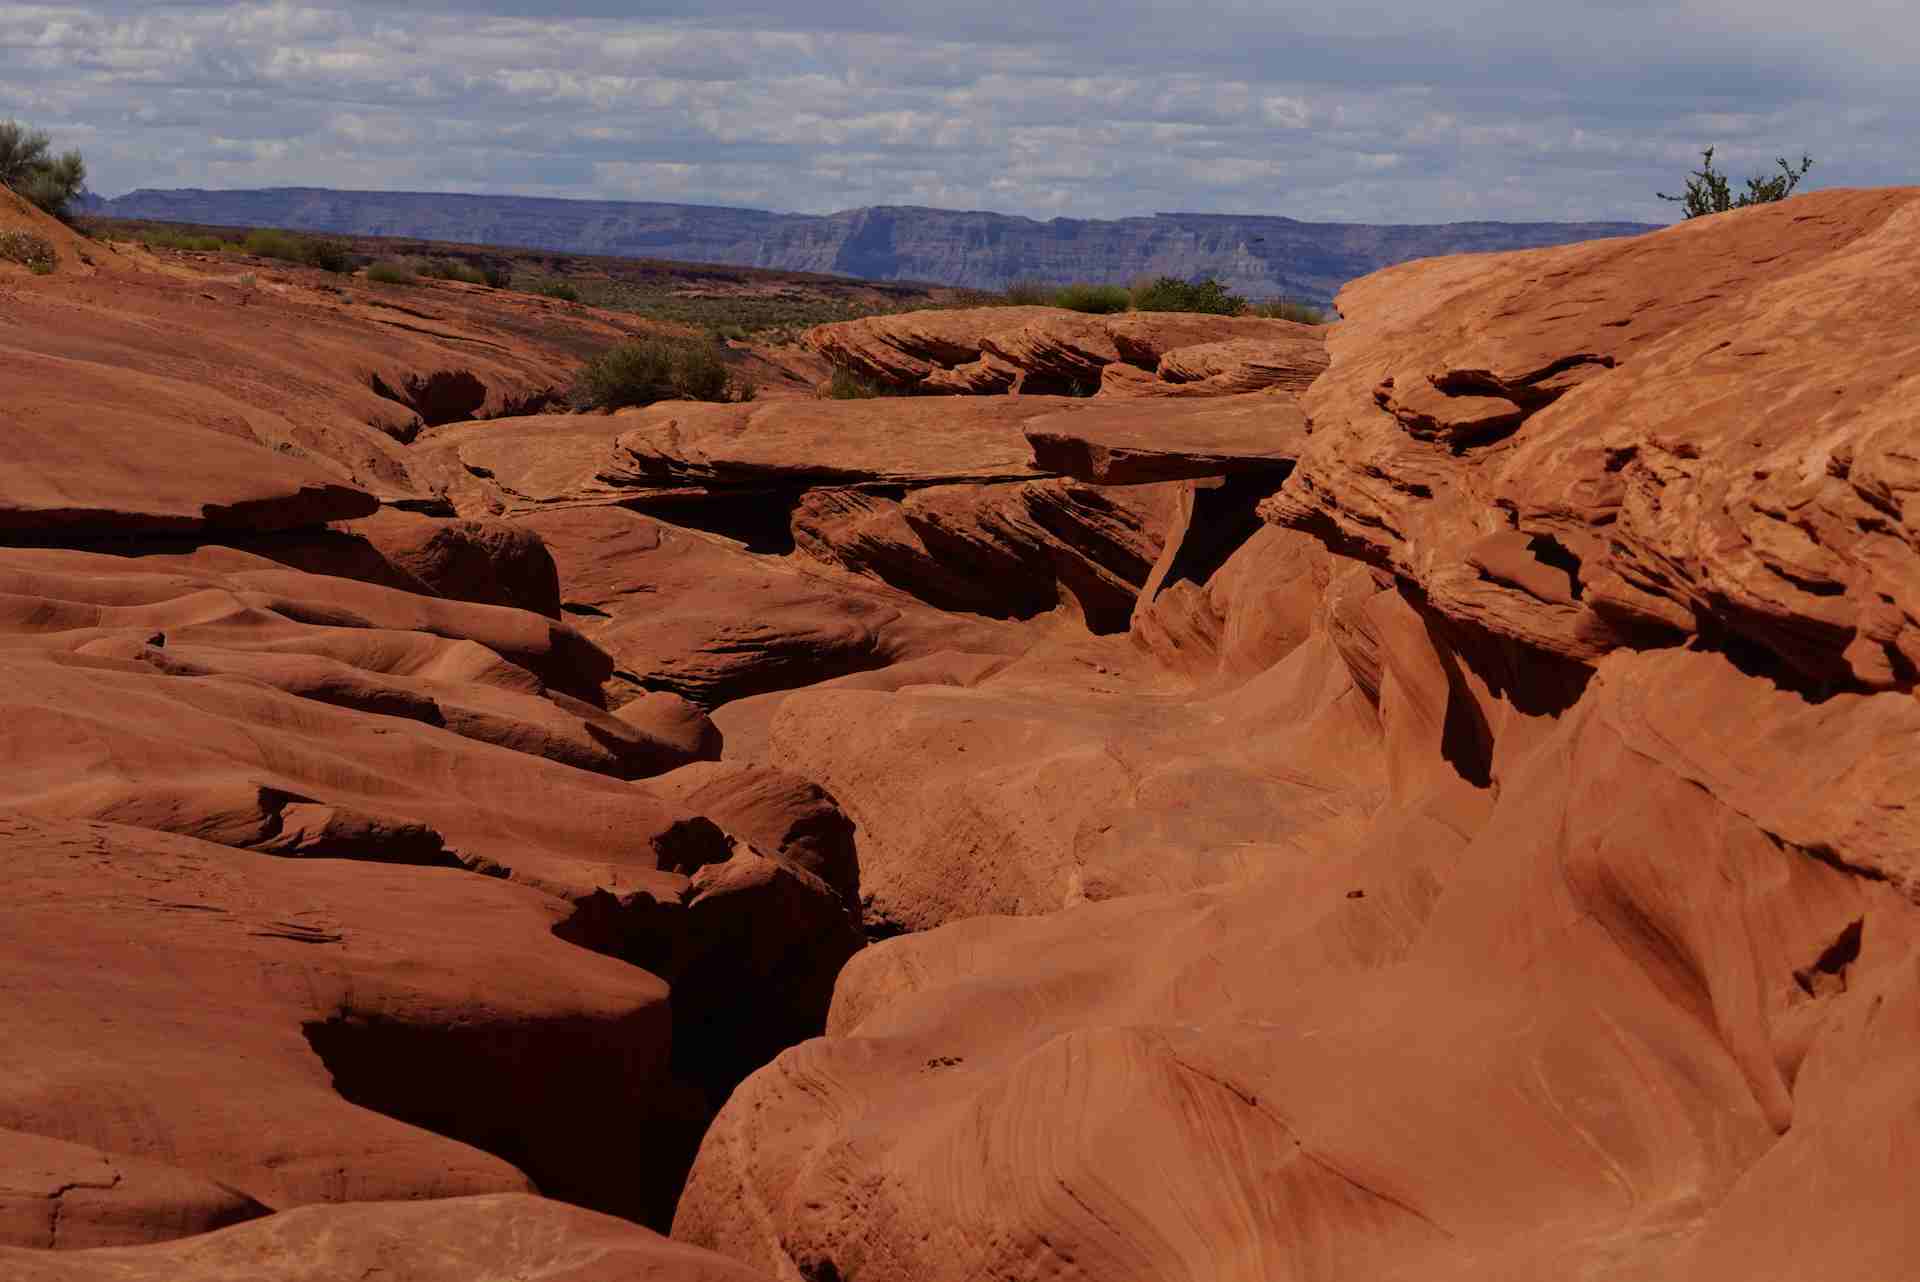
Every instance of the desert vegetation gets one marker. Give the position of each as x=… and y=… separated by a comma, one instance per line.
x=1709, y=191
x=389, y=272
x=31, y=170
x=1171, y=294
x=328, y=255
x=1289, y=309
x=35, y=253
x=1155, y=294
x=845, y=385
x=642, y=371
x=454, y=269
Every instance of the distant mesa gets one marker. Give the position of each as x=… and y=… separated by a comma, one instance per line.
x=1261, y=257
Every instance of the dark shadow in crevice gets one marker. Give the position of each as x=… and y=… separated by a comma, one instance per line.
x=762, y=520
x=1548, y=550
x=582, y=1106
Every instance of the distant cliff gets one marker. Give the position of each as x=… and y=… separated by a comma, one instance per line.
x=1261, y=257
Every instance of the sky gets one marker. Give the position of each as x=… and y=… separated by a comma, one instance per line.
x=1368, y=111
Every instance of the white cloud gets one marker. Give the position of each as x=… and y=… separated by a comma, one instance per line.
x=1394, y=110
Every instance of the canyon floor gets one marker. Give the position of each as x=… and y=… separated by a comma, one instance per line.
x=1163, y=798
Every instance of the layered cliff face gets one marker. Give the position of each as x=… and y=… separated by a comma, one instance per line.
x=1262, y=257
x=1446, y=813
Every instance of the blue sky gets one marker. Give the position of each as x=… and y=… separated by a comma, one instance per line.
x=1374, y=111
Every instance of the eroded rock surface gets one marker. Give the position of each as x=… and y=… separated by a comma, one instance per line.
x=1497, y=866
x=1635, y=442
x=1452, y=822
x=1047, y=351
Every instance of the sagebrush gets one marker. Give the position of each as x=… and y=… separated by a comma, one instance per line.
x=35, y=253
x=642, y=371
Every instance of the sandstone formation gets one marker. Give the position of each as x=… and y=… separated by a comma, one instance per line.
x=1448, y=819
x=1262, y=432
x=447, y=1240
x=1047, y=351
x=1508, y=876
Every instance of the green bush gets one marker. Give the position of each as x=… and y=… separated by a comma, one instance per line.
x=35, y=253
x=644, y=370
x=448, y=269
x=267, y=243
x=1171, y=294
x=30, y=169
x=1100, y=300
x=498, y=277
x=328, y=255
x=390, y=273
x=1708, y=191
x=1287, y=309
x=556, y=289
x=168, y=239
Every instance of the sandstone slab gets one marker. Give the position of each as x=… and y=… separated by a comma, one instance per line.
x=1132, y=444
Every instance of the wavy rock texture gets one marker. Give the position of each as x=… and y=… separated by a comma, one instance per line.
x=1705, y=432
x=1498, y=866
x=445, y=1240
x=1451, y=822
x=1043, y=350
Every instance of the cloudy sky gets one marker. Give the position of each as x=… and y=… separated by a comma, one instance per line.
x=1362, y=110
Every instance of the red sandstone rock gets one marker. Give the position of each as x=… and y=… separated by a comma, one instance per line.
x=1160, y=441
x=700, y=616
x=993, y=350
x=1674, y=448
x=1399, y=898
x=60, y=1196
x=443, y=1240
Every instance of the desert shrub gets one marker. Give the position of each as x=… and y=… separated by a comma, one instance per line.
x=30, y=169
x=644, y=370
x=328, y=255
x=1100, y=300
x=1171, y=294
x=35, y=253
x=267, y=243
x=388, y=272
x=1708, y=191
x=167, y=239
x=497, y=277
x=449, y=269
x=728, y=332
x=556, y=289
x=1289, y=309
x=1028, y=293
x=845, y=385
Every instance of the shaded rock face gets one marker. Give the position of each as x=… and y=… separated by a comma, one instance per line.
x=1402, y=829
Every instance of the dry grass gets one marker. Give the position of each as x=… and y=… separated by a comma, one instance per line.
x=35, y=253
